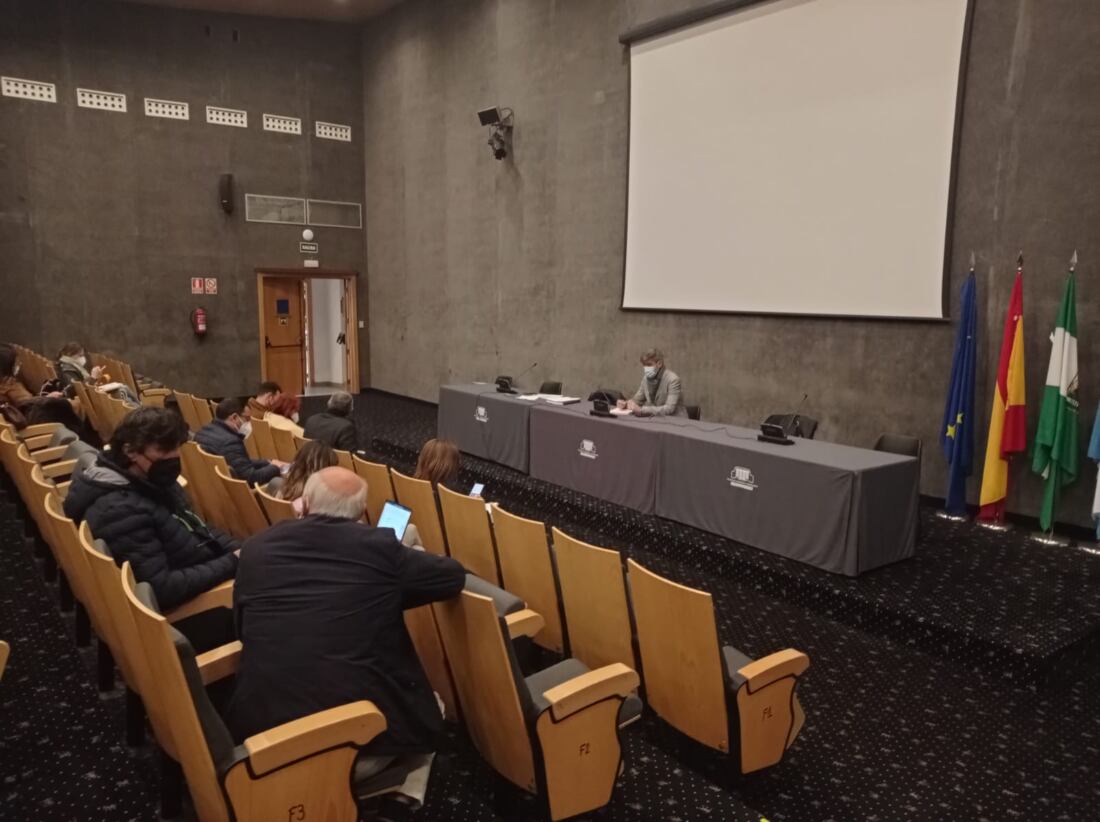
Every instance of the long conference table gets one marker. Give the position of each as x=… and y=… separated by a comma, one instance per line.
x=836, y=507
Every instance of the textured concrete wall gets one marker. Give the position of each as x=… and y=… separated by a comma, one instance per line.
x=479, y=267
x=104, y=217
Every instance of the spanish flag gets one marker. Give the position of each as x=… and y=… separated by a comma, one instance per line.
x=1007, y=421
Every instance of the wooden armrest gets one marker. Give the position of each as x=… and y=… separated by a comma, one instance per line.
x=354, y=723
x=38, y=430
x=37, y=443
x=63, y=488
x=59, y=469
x=587, y=689
x=766, y=670
x=220, y=596
x=48, y=454
x=220, y=662
x=524, y=623
x=155, y=392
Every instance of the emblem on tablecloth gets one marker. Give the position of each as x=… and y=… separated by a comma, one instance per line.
x=743, y=478
x=588, y=449
x=481, y=415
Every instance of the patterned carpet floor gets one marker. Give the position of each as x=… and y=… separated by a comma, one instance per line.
x=898, y=727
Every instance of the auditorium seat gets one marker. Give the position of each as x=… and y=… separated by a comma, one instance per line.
x=186, y=404
x=5, y=652
x=746, y=708
x=419, y=497
x=469, y=533
x=249, y=513
x=285, y=447
x=527, y=570
x=305, y=764
x=265, y=443
x=593, y=598
x=276, y=509
x=379, y=485
x=553, y=734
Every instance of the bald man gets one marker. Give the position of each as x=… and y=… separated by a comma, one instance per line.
x=319, y=605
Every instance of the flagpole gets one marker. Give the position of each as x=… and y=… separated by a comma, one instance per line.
x=1048, y=537
x=943, y=513
x=999, y=525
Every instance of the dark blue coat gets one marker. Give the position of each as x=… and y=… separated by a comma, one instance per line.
x=218, y=438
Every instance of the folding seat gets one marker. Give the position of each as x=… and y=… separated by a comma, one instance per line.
x=379, y=485
x=419, y=496
x=469, y=533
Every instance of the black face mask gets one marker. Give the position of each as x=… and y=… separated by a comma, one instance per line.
x=164, y=473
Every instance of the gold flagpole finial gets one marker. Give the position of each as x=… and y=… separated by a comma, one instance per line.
x=1073, y=261
x=1020, y=260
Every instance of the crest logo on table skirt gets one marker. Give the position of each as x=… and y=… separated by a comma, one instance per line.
x=743, y=478
x=481, y=415
x=588, y=449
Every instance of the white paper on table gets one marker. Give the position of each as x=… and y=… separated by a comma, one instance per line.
x=558, y=399
x=528, y=397
x=621, y=412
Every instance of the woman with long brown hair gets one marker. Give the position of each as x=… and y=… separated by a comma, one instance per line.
x=312, y=457
x=439, y=462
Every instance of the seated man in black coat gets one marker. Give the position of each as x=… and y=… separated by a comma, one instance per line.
x=319, y=607
x=133, y=503
x=225, y=436
x=333, y=427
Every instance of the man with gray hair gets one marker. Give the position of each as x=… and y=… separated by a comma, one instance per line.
x=334, y=427
x=660, y=394
x=319, y=604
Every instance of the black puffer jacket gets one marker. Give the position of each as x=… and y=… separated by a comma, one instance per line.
x=218, y=438
x=166, y=543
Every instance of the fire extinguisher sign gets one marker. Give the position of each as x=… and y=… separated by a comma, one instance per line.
x=198, y=285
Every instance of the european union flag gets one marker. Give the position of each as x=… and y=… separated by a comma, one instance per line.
x=957, y=433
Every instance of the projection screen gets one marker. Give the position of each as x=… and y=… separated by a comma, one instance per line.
x=795, y=157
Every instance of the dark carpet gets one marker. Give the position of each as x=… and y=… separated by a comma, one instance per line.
x=900, y=724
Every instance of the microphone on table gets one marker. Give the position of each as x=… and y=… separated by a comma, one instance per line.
x=795, y=424
x=506, y=385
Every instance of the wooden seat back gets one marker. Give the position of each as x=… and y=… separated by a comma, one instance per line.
x=469, y=533
x=186, y=405
x=419, y=497
x=204, y=410
x=681, y=658
x=343, y=458
x=249, y=513
x=379, y=485
x=470, y=630
x=265, y=443
x=285, y=448
x=276, y=509
x=526, y=570
x=223, y=511
x=194, y=472
x=593, y=598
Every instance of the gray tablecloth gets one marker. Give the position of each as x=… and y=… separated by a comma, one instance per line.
x=616, y=460
x=842, y=509
x=485, y=424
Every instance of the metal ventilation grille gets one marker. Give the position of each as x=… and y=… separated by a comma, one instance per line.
x=103, y=100
x=285, y=125
x=29, y=89
x=264, y=208
x=332, y=131
x=227, y=116
x=334, y=214
x=171, y=109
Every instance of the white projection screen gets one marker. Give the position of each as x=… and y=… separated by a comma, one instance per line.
x=795, y=157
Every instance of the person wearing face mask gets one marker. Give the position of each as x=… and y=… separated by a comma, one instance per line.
x=72, y=366
x=225, y=435
x=47, y=407
x=132, y=501
x=660, y=394
x=283, y=413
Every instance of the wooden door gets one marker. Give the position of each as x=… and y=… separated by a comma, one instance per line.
x=283, y=339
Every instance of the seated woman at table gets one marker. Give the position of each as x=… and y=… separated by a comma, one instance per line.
x=660, y=394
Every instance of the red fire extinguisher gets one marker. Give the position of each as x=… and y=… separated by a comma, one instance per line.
x=198, y=322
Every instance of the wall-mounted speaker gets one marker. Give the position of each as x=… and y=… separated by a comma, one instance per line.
x=225, y=193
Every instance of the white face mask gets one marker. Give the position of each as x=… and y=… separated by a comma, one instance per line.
x=246, y=428
x=294, y=416
x=650, y=371
x=82, y=361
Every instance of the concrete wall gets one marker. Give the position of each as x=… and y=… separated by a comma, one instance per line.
x=104, y=217
x=479, y=267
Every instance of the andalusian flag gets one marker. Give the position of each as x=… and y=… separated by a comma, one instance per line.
x=1007, y=420
x=1056, y=440
x=957, y=431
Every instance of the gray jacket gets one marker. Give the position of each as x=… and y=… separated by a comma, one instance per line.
x=661, y=399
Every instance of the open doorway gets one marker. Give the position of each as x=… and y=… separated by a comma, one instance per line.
x=309, y=330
